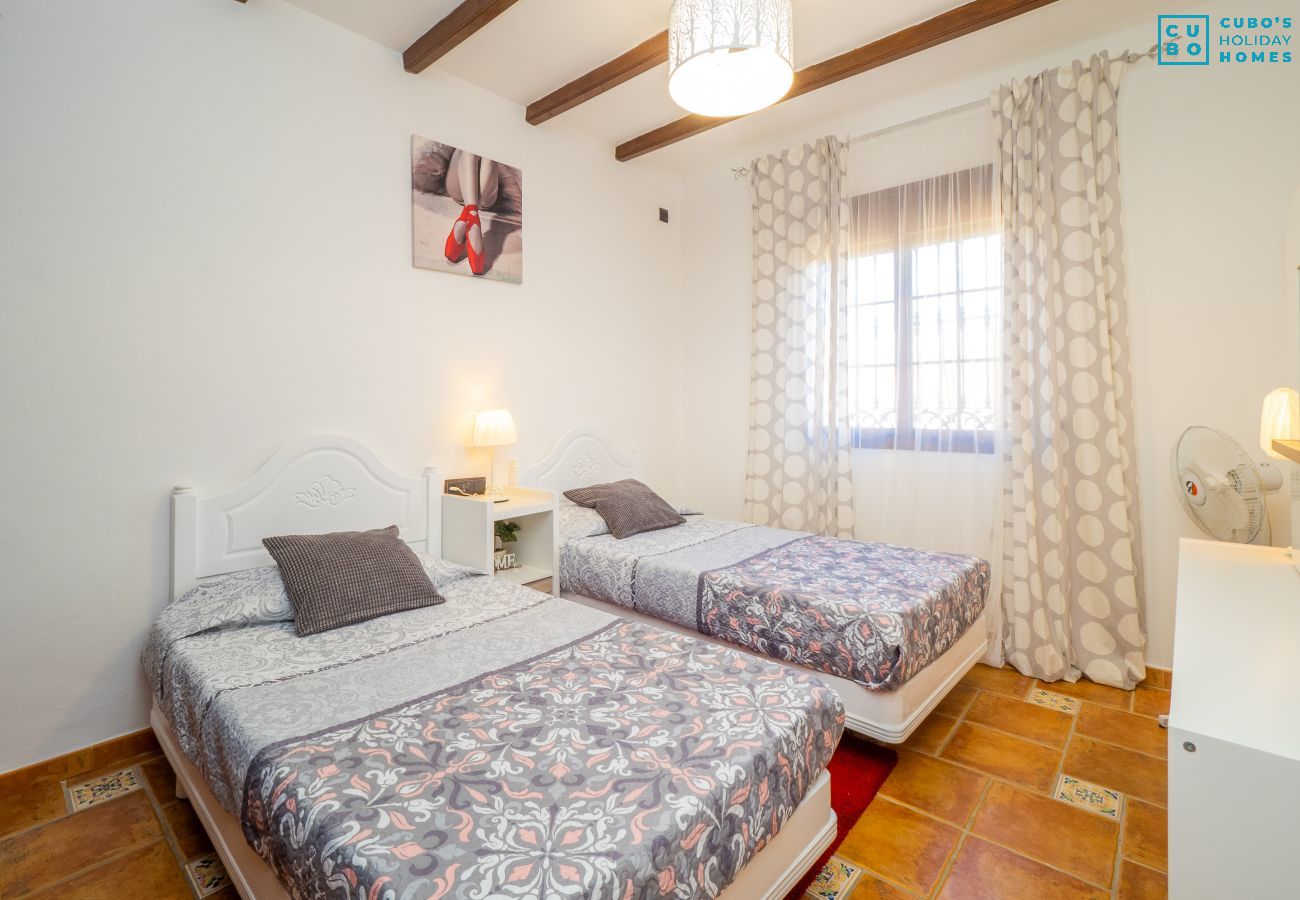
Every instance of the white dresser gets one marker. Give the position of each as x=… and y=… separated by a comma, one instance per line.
x=1234, y=726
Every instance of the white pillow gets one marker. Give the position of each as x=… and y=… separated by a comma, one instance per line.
x=579, y=521
x=260, y=591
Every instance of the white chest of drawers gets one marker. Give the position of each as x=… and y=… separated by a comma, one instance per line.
x=1234, y=725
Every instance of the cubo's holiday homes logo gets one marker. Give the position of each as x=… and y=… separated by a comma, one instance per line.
x=1198, y=40
x=1184, y=41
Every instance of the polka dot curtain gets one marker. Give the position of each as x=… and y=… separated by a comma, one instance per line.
x=800, y=440
x=1072, y=589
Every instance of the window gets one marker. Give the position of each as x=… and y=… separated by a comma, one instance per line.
x=927, y=315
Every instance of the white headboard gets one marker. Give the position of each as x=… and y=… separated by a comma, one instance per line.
x=313, y=486
x=582, y=456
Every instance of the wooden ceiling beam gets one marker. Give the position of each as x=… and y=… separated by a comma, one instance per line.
x=954, y=23
x=641, y=58
x=458, y=25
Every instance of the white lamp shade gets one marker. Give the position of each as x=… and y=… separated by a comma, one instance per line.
x=730, y=57
x=494, y=428
x=1280, y=420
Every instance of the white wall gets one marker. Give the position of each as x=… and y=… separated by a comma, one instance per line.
x=205, y=253
x=1209, y=164
x=1291, y=276
x=1291, y=286
x=1208, y=160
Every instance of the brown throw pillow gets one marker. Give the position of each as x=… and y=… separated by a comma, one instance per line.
x=349, y=576
x=628, y=507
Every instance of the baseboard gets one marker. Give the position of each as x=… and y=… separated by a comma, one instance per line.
x=79, y=762
x=1159, y=678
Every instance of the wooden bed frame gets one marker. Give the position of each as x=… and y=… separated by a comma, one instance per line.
x=585, y=455
x=325, y=484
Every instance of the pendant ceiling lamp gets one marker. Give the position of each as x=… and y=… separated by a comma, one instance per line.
x=730, y=57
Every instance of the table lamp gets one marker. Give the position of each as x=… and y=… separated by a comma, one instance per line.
x=1279, y=436
x=494, y=428
x=1280, y=420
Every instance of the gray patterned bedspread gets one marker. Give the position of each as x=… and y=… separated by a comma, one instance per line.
x=503, y=744
x=873, y=613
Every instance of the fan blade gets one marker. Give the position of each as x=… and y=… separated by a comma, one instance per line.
x=1229, y=506
x=1208, y=457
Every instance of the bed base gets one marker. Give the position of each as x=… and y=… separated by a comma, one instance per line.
x=887, y=716
x=770, y=875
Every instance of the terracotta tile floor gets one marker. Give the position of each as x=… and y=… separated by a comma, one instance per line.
x=132, y=846
x=969, y=811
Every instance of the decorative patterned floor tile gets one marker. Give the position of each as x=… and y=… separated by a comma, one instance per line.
x=207, y=873
x=102, y=789
x=1089, y=796
x=1053, y=700
x=835, y=881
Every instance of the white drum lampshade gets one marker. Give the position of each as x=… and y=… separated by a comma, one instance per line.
x=494, y=428
x=1280, y=420
x=730, y=57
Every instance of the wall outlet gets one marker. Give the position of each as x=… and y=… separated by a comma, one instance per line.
x=473, y=487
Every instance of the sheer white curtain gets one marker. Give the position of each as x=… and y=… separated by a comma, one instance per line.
x=927, y=301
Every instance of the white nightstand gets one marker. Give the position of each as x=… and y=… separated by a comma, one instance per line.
x=468, y=535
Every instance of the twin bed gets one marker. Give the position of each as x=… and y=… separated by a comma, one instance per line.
x=510, y=744
x=504, y=743
x=892, y=629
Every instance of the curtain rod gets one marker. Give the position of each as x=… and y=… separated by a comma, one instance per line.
x=881, y=132
x=967, y=107
x=740, y=172
x=743, y=171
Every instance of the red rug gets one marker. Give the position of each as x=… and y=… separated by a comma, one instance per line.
x=858, y=769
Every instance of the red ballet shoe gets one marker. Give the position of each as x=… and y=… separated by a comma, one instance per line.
x=478, y=263
x=455, y=249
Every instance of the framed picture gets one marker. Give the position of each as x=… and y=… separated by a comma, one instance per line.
x=467, y=213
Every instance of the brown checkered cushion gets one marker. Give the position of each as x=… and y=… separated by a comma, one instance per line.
x=628, y=507
x=349, y=576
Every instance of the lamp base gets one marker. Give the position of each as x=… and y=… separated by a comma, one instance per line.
x=494, y=490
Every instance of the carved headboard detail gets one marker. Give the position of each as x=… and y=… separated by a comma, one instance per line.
x=312, y=486
x=583, y=455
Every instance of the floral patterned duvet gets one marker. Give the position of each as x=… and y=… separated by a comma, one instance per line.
x=504, y=744
x=873, y=613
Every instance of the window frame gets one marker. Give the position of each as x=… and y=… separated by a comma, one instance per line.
x=906, y=436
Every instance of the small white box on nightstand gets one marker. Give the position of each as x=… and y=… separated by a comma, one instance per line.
x=469, y=532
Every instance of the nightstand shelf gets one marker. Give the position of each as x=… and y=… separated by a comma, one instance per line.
x=469, y=526
x=524, y=574
x=1289, y=449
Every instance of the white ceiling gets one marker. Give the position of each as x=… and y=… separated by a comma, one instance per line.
x=537, y=46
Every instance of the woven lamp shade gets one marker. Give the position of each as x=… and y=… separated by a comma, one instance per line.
x=730, y=57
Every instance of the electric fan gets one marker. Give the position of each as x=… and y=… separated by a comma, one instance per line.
x=1222, y=489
